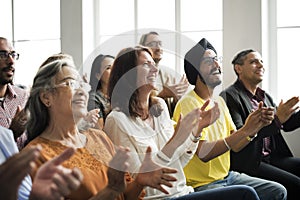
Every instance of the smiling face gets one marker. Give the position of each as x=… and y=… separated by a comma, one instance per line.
x=146, y=70
x=252, y=70
x=153, y=41
x=7, y=66
x=70, y=96
x=105, y=70
x=210, y=69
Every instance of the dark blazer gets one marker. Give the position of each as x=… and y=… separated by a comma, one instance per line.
x=248, y=159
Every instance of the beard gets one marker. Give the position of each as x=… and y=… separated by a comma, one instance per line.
x=210, y=83
x=3, y=78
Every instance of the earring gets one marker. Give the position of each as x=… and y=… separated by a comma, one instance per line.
x=47, y=104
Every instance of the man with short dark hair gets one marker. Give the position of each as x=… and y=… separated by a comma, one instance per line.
x=210, y=166
x=12, y=98
x=170, y=88
x=267, y=156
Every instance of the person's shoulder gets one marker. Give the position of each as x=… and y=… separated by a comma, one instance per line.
x=231, y=89
x=159, y=100
x=116, y=114
x=5, y=133
x=18, y=91
x=95, y=134
x=7, y=142
x=189, y=96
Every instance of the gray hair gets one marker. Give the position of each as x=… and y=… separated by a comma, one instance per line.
x=43, y=81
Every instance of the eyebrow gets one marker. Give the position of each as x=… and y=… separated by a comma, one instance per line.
x=7, y=51
x=66, y=78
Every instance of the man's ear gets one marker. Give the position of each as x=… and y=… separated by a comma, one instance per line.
x=237, y=68
x=45, y=97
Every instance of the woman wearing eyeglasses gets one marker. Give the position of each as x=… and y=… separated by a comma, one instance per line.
x=57, y=100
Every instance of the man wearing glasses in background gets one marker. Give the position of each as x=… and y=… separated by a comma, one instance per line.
x=169, y=88
x=12, y=98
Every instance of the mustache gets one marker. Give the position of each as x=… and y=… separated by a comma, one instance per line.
x=7, y=68
x=213, y=71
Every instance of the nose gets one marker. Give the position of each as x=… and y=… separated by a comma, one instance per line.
x=10, y=60
x=154, y=67
x=81, y=92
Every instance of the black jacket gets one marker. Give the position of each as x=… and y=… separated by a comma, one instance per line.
x=248, y=159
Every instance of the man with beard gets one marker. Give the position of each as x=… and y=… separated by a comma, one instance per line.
x=210, y=166
x=12, y=98
x=267, y=156
x=170, y=88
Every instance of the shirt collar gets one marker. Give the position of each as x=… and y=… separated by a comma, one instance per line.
x=259, y=93
x=10, y=91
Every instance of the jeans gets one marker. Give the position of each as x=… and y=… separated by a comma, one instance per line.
x=231, y=192
x=266, y=190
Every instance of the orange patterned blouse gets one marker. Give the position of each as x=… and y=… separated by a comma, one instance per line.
x=92, y=160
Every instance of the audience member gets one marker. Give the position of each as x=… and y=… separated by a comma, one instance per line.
x=91, y=119
x=139, y=119
x=170, y=86
x=57, y=99
x=12, y=98
x=267, y=156
x=210, y=166
x=52, y=181
x=99, y=77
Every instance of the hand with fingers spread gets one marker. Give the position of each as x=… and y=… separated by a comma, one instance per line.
x=176, y=90
x=208, y=117
x=154, y=175
x=53, y=181
x=285, y=110
x=92, y=117
x=90, y=120
x=185, y=126
x=117, y=168
x=14, y=169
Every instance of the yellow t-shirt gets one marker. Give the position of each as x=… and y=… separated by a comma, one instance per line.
x=197, y=172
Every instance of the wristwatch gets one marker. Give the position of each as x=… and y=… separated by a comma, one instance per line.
x=251, y=138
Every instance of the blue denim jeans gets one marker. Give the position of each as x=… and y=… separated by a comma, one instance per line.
x=266, y=190
x=226, y=193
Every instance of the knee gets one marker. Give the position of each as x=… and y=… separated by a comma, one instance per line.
x=280, y=192
x=249, y=192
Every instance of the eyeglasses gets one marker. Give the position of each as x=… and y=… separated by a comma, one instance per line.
x=154, y=44
x=75, y=85
x=4, y=55
x=211, y=60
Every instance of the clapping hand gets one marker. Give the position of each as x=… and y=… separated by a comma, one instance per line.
x=116, y=171
x=258, y=119
x=53, y=181
x=285, y=110
x=154, y=175
x=207, y=117
x=176, y=90
x=14, y=169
